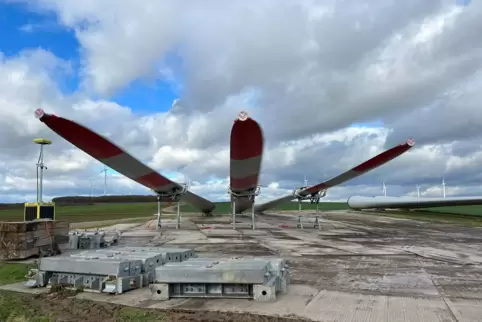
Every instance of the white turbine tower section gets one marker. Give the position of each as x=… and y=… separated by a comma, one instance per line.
x=443, y=187
x=105, y=180
x=418, y=191
x=384, y=189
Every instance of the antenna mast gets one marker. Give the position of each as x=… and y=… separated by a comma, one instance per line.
x=41, y=167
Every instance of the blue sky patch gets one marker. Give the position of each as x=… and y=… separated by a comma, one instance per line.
x=463, y=2
x=373, y=124
x=23, y=29
x=147, y=98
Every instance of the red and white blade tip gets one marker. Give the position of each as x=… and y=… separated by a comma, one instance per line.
x=411, y=142
x=39, y=113
x=243, y=116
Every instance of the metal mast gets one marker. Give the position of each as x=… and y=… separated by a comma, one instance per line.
x=41, y=166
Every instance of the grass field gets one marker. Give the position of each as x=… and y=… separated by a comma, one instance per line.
x=94, y=212
x=432, y=216
x=112, y=211
x=462, y=210
x=466, y=215
x=225, y=207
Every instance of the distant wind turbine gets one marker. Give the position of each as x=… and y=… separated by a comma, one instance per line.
x=443, y=186
x=384, y=189
x=418, y=191
x=105, y=180
x=187, y=181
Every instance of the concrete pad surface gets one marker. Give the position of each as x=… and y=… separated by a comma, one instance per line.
x=355, y=268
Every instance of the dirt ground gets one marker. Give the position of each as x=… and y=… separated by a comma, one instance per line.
x=61, y=306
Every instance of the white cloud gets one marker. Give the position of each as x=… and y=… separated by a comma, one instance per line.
x=305, y=70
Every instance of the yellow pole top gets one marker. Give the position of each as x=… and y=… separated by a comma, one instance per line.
x=42, y=141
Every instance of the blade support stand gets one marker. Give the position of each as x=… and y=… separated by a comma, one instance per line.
x=176, y=196
x=249, y=194
x=314, y=198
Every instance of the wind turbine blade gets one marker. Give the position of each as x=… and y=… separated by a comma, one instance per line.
x=116, y=158
x=246, y=152
x=366, y=166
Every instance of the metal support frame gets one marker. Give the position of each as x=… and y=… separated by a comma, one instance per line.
x=314, y=198
x=172, y=196
x=251, y=194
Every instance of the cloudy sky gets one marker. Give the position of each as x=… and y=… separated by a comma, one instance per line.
x=332, y=83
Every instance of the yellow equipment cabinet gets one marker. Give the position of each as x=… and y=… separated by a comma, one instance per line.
x=42, y=210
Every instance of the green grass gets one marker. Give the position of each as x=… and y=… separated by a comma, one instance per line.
x=432, y=216
x=94, y=212
x=113, y=211
x=461, y=210
x=464, y=215
x=225, y=207
x=14, y=306
x=13, y=272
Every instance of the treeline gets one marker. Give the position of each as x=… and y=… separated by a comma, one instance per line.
x=11, y=205
x=83, y=200
x=103, y=199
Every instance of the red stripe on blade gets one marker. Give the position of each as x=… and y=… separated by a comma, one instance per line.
x=383, y=157
x=244, y=183
x=82, y=137
x=246, y=140
x=153, y=180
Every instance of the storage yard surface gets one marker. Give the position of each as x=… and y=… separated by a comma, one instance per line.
x=355, y=268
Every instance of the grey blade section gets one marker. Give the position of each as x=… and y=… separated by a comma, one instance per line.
x=273, y=203
x=242, y=204
x=199, y=202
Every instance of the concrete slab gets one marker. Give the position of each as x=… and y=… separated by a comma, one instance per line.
x=180, y=237
x=220, y=232
x=305, y=301
x=339, y=306
x=19, y=287
x=465, y=310
x=122, y=227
